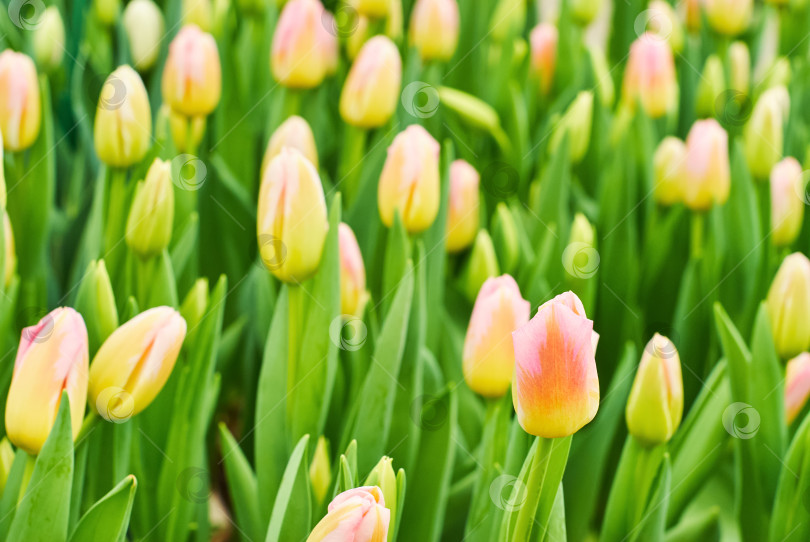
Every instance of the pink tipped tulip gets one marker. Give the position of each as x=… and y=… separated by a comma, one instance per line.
x=353, y=293
x=797, y=385
x=649, y=78
x=192, y=76
x=543, y=39
x=556, y=387
x=462, y=214
x=298, y=55
x=52, y=357
x=434, y=28
x=489, y=355
x=330, y=48
x=787, y=207
x=356, y=515
x=19, y=101
x=409, y=182
x=707, y=177
x=372, y=88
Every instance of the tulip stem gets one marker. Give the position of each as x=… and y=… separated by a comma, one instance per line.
x=87, y=426
x=351, y=158
x=30, y=463
x=697, y=235
x=295, y=324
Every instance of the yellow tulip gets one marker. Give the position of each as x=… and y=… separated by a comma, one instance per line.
x=371, y=91
x=19, y=101
x=123, y=125
x=192, y=76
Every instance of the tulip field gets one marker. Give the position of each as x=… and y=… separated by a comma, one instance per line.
x=405, y=270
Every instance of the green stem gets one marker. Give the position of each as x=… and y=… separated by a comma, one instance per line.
x=115, y=220
x=698, y=219
x=535, y=484
x=295, y=296
x=351, y=158
x=30, y=462
x=87, y=425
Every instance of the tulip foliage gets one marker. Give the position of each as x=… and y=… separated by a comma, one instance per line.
x=405, y=270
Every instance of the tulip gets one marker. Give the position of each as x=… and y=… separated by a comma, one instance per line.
x=580, y=258
x=778, y=74
x=320, y=473
x=462, y=212
x=95, y=299
x=655, y=406
x=187, y=132
x=649, y=78
x=707, y=177
x=481, y=265
x=292, y=223
x=740, y=69
x=123, y=126
x=197, y=12
x=764, y=132
x=556, y=388
x=6, y=461
x=788, y=305
x=505, y=238
x=52, y=357
x=393, y=22
x=543, y=40
x=293, y=132
x=297, y=57
x=10, y=251
x=144, y=25
x=356, y=515
x=192, y=76
x=584, y=11
x=434, y=28
x=382, y=476
x=605, y=89
x=729, y=17
x=330, y=48
x=409, y=182
x=787, y=208
x=508, y=21
x=668, y=166
x=665, y=24
x=797, y=385
x=134, y=363
x=372, y=8
x=371, y=91
x=49, y=39
x=489, y=356
x=353, y=294
x=19, y=101
x=712, y=84
x=149, y=226
x=107, y=11
x=193, y=307
x=692, y=15
x=576, y=122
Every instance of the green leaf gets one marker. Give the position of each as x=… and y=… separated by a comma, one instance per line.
x=11, y=492
x=790, y=520
x=184, y=243
x=653, y=523
x=703, y=526
x=556, y=521
x=397, y=253
x=42, y=514
x=108, y=519
x=162, y=287
x=242, y=486
x=291, y=515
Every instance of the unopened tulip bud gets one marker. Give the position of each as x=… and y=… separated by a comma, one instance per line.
x=664, y=23
x=576, y=122
x=10, y=251
x=707, y=176
x=655, y=406
x=789, y=304
x=778, y=74
x=107, y=11
x=482, y=264
x=149, y=226
x=649, y=78
x=797, y=385
x=295, y=133
x=556, y=388
x=543, y=40
x=372, y=8
x=193, y=307
x=505, y=238
x=382, y=476
x=134, y=363
x=669, y=164
x=192, y=76
x=187, y=132
x=371, y=90
x=358, y=515
x=409, y=182
x=585, y=11
x=123, y=125
x=712, y=84
x=144, y=24
x=49, y=39
x=320, y=473
x=52, y=357
x=764, y=132
x=95, y=299
x=434, y=28
x=393, y=23
x=19, y=101
x=353, y=294
x=508, y=20
x=197, y=12
x=489, y=356
x=740, y=69
x=729, y=17
x=692, y=15
x=605, y=90
x=6, y=461
x=787, y=207
x=292, y=222
x=297, y=55
x=462, y=212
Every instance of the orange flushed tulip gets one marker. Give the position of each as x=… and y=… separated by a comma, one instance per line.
x=543, y=40
x=353, y=294
x=462, y=213
x=52, y=357
x=192, y=76
x=556, y=387
x=649, y=78
x=19, y=100
x=356, y=515
x=797, y=385
x=409, y=182
x=489, y=356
